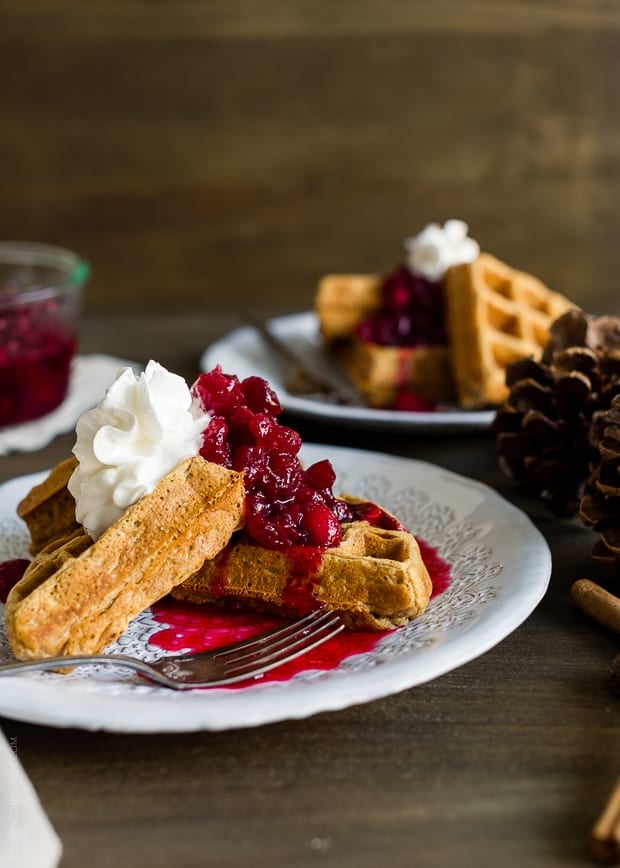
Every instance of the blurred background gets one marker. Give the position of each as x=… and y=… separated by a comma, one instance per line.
x=220, y=152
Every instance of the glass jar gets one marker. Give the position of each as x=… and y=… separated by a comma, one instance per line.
x=40, y=296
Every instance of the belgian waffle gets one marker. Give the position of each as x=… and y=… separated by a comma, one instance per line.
x=343, y=301
x=495, y=315
x=49, y=509
x=77, y=596
x=380, y=372
x=375, y=579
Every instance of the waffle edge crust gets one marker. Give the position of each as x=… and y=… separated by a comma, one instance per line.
x=78, y=596
x=495, y=315
x=375, y=579
x=48, y=509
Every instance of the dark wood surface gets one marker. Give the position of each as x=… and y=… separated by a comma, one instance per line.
x=504, y=761
x=220, y=152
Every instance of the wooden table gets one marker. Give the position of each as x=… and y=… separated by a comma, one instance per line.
x=505, y=761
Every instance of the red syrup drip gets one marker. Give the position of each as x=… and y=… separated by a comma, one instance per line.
x=410, y=402
x=298, y=595
x=438, y=569
x=218, y=584
x=193, y=628
x=304, y=564
x=10, y=574
x=375, y=515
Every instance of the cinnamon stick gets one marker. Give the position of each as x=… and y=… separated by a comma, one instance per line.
x=605, y=836
x=597, y=603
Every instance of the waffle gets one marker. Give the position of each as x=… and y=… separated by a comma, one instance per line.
x=381, y=372
x=49, y=509
x=77, y=596
x=343, y=301
x=495, y=315
x=375, y=579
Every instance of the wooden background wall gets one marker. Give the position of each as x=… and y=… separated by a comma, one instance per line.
x=222, y=151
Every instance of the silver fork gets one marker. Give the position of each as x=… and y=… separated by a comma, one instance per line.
x=238, y=662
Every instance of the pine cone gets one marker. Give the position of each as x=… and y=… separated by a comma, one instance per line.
x=547, y=431
x=600, y=507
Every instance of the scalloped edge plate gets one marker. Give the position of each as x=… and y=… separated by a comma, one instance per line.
x=501, y=566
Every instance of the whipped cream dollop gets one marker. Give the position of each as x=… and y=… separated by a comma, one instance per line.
x=437, y=248
x=144, y=426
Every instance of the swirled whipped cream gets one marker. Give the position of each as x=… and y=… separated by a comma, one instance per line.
x=437, y=248
x=144, y=426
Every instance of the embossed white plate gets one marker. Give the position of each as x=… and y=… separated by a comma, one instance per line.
x=244, y=353
x=500, y=568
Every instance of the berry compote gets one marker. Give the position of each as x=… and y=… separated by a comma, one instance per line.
x=409, y=401
x=36, y=350
x=10, y=574
x=286, y=505
x=411, y=313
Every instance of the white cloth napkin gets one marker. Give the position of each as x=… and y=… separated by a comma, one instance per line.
x=90, y=377
x=27, y=839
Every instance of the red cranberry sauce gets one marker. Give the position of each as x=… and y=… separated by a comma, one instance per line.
x=187, y=627
x=10, y=574
x=411, y=314
x=35, y=361
x=375, y=515
x=438, y=568
x=408, y=401
x=285, y=505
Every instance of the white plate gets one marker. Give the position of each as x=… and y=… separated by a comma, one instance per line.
x=500, y=567
x=244, y=353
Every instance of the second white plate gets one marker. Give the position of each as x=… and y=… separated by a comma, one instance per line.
x=244, y=353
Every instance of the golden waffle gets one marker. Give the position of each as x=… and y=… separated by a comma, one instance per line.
x=343, y=301
x=380, y=372
x=78, y=597
x=494, y=316
x=49, y=508
x=375, y=579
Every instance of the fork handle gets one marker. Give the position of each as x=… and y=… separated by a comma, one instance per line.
x=79, y=660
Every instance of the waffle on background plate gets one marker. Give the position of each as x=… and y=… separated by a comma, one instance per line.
x=493, y=315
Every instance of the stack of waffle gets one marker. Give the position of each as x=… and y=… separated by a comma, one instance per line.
x=77, y=595
x=493, y=316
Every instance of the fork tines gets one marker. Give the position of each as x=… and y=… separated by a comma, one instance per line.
x=280, y=645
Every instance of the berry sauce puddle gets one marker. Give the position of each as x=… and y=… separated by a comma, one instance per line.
x=192, y=628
